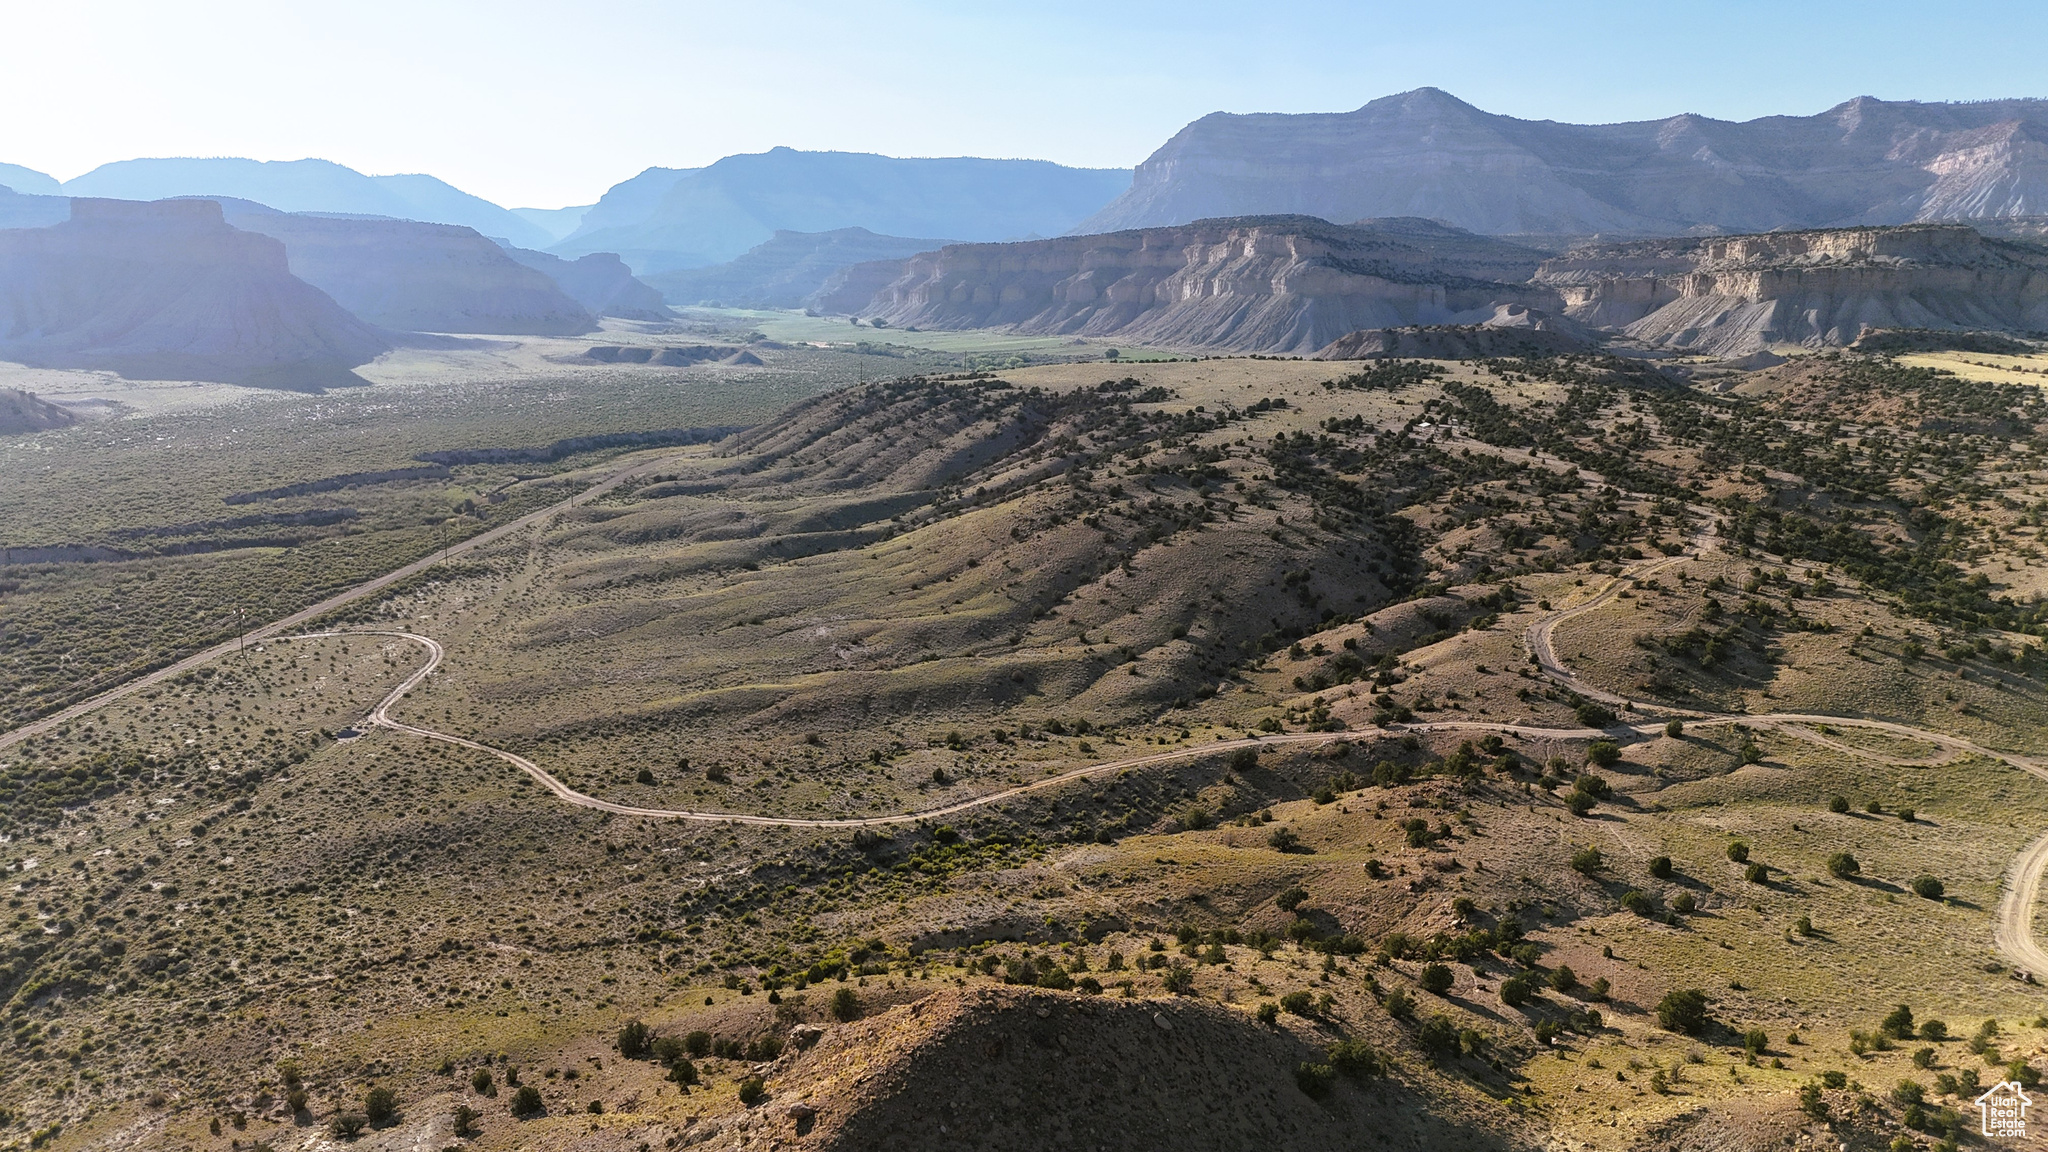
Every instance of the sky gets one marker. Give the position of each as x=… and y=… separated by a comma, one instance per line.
x=548, y=104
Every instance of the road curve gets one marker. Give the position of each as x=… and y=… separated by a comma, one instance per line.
x=367, y=588
x=2012, y=930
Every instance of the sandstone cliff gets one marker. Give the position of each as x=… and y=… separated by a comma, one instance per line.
x=1426, y=153
x=169, y=291
x=600, y=282
x=418, y=277
x=1729, y=297
x=1274, y=284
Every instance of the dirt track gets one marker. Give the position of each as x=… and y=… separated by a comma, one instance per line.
x=2012, y=930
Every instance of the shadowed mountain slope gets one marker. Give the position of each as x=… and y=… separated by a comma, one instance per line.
x=169, y=291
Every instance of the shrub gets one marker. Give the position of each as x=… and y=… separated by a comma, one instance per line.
x=1738, y=852
x=1605, y=753
x=1935, y=1030
x=1298, y=1004
x=1838, y=804
x=752, y=1089
x=1927, y=886
x=1841, y=866
x=1314, y=1080
x=1269, y=1012
x=1908, y=1092
x=1660, y=867
x=1898, y=1023
x=1923, y=1058
x=1597, y=990
x=1284, y=840
x=1586, y=861
x=1563, y=979
x=1579, y=803
x=1438, y=1037
x=1683, y=1010
x=1180, y=980
x=1436, y=979
x=1244, y=759
x=1811, y=1102
x=1906, y=814
x=1354, y=1058
x=845, y=1005
x=1291, y=899
x=1684, y=904
x=527, y=1101
x=1398, y=1005
x=347, y=1126
x=1756, y=873
x=1834, y=1078
x=1595, y=786
x=380, y=1105
x=1591, y=715
x=634, y=1039
x=683, y=1072
x=1675, y=729
x=480, y=1082
x=1518, y=989
x=698, y=1044
x=1803, y=926
x=465, y=1120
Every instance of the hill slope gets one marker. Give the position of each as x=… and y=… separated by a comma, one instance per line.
x=714, y=214
x=306, y=186
x=169, y=291
x=1427, y=153
x=26, y=412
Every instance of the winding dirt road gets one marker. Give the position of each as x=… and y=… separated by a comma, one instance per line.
x=300, y=618
x=2012, y=930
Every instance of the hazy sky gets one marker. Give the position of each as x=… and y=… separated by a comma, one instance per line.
x=541, y=105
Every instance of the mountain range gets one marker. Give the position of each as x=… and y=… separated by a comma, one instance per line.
x=1427, y=153
x=668, y=219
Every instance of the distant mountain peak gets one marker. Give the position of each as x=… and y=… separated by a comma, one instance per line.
x=1427, y=153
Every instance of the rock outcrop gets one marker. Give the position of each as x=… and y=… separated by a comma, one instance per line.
x=26, y=412
x=600, y=282
x=417, y=277
x=790, y=270
x=169, y=291
x=1451, y=342
x=1426, y=153
x=1733, y=296
x=1270, y=284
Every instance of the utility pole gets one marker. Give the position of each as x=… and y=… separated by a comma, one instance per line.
x=241, y=630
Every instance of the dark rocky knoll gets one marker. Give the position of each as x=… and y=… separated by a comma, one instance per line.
x=416, y=277
x=169, y=291
x=1270, y=284
x=26, y=412
x=788, y=270
x=1426, y=153
x=600, y=282
x=663, y=220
